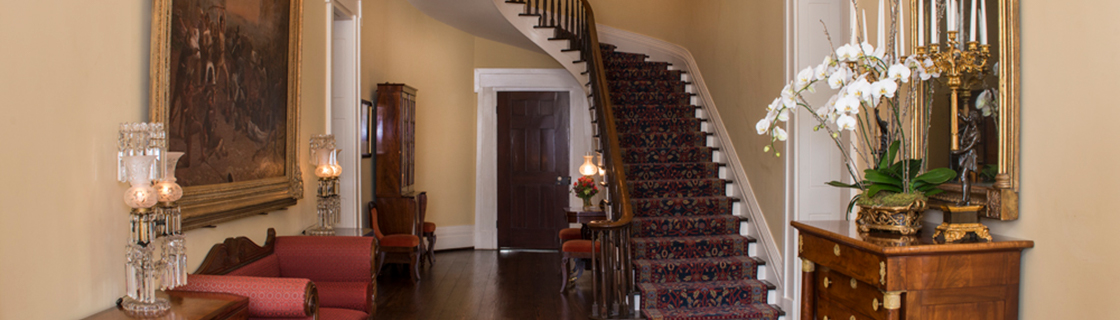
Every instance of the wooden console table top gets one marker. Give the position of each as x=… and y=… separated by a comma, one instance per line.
x=851, y=275
x=191, y=306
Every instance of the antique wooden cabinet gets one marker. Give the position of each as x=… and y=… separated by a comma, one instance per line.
x=395, y=153
x=848, y=275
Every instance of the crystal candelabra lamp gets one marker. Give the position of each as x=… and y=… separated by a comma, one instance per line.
x=156, y=255
x=324, y=157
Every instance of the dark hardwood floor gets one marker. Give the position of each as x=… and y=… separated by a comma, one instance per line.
x=484, y=284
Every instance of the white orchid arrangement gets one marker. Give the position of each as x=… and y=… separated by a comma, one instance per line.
x=867, y=81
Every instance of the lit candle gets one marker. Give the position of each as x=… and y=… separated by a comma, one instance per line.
x=922, y=24
x=933, y=27
x=881, y=35
x=983, y=22
x=972, y=24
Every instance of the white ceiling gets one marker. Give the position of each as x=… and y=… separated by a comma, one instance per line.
x=477, y=17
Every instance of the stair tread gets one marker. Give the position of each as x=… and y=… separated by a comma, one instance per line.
x=704, y=284
x=722, y=237
x=750, y=311
x=731, y=259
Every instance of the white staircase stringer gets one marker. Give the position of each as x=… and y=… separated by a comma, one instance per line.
x=681, y=59
x=540, y=36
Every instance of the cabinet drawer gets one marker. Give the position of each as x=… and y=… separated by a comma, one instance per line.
x=855, y=295
x=832, y=310
x=859, y=264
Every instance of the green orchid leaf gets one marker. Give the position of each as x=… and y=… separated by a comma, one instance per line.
x=937, y=176
x=839, y=184
x=879, y=178
x=933, y=192
x=875, y=188
x=888, y=159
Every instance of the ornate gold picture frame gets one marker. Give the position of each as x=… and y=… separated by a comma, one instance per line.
x=1000, y=197
x=225, y=79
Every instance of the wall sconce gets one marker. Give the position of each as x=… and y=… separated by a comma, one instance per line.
x=324, y=157
x=142, y=158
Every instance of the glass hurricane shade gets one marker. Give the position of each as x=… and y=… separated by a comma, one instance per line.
x=140, y=194
x=167, y=189
x=334, y=162
x=326, y=164
x=588, y=168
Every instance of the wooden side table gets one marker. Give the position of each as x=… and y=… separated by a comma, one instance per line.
x=191, y=306
x=851, y=275
x=579, y=215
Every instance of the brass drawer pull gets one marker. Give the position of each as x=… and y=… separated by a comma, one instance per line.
x=853, y=283
x=852, y=318
x=827, y=282
x=825, y=317
x=836, y=250
x=875, y=304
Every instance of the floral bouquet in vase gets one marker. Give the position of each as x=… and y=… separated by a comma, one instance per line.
x=585, y=188
x=868, y=102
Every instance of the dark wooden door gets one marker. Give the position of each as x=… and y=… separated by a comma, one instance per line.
x=532, y=155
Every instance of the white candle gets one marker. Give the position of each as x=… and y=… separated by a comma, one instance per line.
x=852, y=23
x=951, y=16
x=972, y=24
x=881, y=36
x=900, y=49
x=983, y=22
x=864, y=24
x=933, y=27
x=922, y=24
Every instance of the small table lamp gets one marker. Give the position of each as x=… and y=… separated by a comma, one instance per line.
x=324, y=157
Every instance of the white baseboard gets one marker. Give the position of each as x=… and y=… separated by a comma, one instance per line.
x=454, y=237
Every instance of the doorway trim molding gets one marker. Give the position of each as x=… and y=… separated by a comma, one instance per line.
x=487, y=84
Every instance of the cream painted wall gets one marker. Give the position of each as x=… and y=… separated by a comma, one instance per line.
x=402, y=45
x=66, y=86
x=492, y=54
x=1069, y=152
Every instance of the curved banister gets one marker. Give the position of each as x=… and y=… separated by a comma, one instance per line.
x=605, y=112
x=574, y=21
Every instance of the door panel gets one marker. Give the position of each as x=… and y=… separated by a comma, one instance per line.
x=532, y=154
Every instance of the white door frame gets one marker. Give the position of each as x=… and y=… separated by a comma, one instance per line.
x=343, y=21
x=803, y=32
x=488, y=82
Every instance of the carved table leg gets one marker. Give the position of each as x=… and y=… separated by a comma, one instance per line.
x=808, y=305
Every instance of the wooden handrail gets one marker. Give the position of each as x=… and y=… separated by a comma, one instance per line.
x=612, y=282
x=600, y=93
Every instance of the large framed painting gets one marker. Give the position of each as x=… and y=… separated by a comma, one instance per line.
x=225, y=80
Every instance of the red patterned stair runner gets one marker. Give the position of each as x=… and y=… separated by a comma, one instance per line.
x=690, y=261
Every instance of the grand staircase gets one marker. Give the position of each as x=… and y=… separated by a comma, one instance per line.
x=672, y=241
x=690, y=261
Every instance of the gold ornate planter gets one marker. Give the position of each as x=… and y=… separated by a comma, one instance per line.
x=904, y=220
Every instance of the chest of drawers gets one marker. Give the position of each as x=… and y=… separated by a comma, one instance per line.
x=848, y=275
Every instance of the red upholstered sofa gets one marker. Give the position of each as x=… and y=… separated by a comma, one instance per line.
x=327, y=278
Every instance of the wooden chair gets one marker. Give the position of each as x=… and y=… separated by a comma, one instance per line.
x=570, y=234
x=428, y=230
x=578, y=250
x=396, y=248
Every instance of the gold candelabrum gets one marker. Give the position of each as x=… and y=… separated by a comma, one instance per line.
x=956, y=65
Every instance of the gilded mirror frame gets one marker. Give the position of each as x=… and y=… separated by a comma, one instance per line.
x=1001, y=199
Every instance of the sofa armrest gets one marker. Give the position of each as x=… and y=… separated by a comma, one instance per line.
x=268, y=297
x=326, y=259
